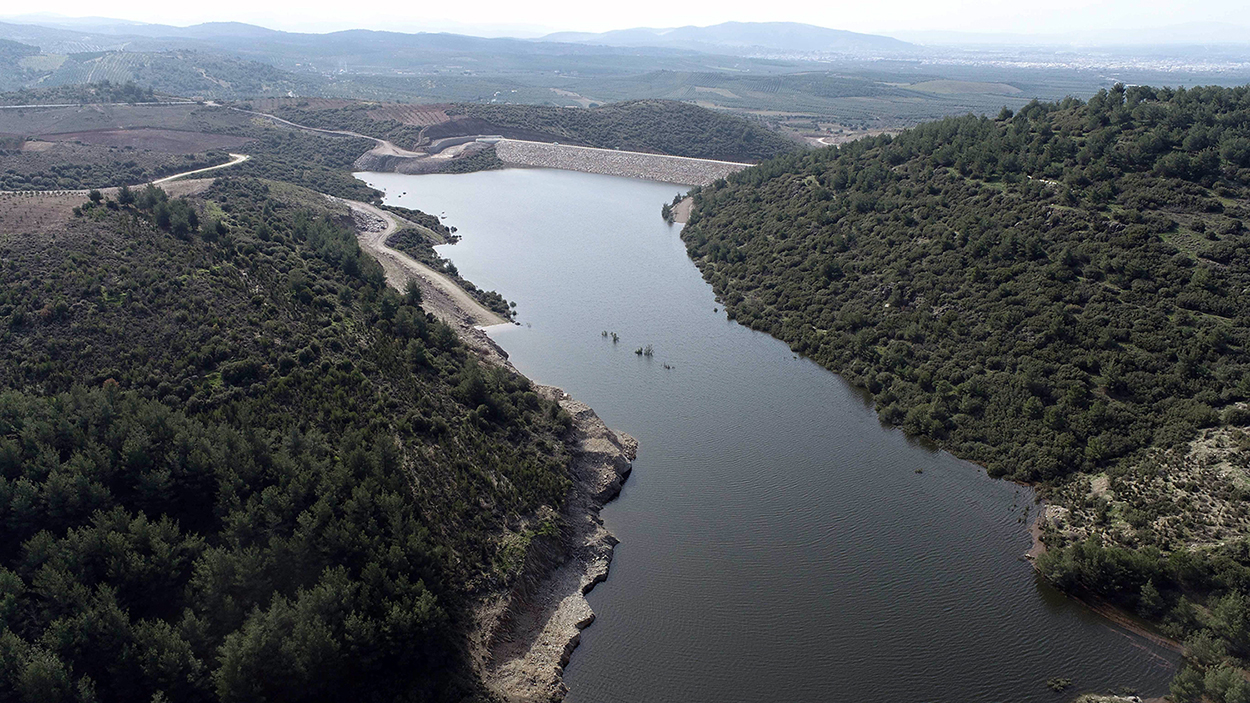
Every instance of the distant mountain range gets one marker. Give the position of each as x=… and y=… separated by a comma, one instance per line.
x=745, y=37
x=396, y=50
x=62, y=34
x=288, y=50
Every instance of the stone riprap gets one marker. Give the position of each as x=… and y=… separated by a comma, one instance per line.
x=631, y=164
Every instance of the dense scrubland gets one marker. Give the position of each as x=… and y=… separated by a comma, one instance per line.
x=1056, y=293
x=235, y=465
x=658, y=126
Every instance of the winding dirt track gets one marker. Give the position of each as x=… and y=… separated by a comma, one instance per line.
x=383, y=148
x=235, y=159
x=448, y=299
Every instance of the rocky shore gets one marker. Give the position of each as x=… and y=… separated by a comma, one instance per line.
x=631, y=164
x=524, y=638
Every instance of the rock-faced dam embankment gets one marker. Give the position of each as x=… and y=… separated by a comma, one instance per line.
x=631, y=164
x=611, y=162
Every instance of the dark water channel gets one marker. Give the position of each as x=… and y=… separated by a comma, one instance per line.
x=777, y=542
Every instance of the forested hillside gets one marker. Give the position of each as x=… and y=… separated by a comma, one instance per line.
x=660, y=126
x=1050, y=292
x=236, y=466
x=1044, y=292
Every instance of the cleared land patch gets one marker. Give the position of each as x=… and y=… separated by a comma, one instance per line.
x=723, y=92
x=271, y=104
x=25, y=214
x=1189, y=498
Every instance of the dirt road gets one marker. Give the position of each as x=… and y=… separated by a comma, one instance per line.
x=382, y=148
x=235, y=159
x=448, y=301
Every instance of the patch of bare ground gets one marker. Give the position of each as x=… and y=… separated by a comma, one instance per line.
x=416, y=115
x=35, y=212
x=25, y=214
x=271, y=104
x=1188, y=498
x=184, y=186
x=441, y=296
x=681, y=211
x=71, y=165
x=379, y=159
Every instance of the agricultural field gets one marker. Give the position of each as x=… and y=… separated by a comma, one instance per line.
x=83, y=93
x=185, y=73
x=27, y=213
x=948, y=87
x=866, y=101
x=415, y=115
x=24, y=214
x=418, y=115
x=38, y=121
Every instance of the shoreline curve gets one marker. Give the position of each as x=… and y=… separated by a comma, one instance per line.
x=523, y=635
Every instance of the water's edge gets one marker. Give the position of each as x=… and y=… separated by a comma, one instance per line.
x=764, y=495
x=523, y=635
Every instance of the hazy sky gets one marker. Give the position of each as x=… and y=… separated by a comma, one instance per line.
x=539, y=16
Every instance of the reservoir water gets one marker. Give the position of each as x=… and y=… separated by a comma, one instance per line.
x=777, y=542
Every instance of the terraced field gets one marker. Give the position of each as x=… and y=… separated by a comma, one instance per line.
x=416, y=115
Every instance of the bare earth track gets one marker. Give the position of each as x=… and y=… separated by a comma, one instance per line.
x=448, y=301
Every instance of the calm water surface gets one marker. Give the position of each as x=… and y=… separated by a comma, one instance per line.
x=777, y=543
